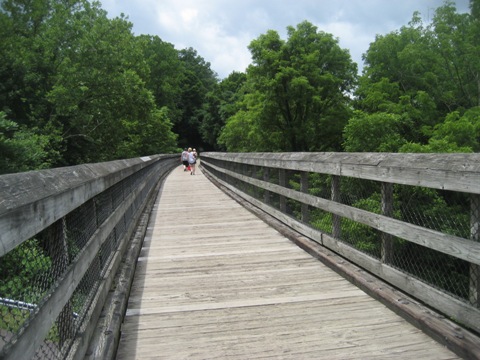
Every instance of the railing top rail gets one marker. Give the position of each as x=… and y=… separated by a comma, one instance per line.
x=23, y=188
x=54, y=193
x=455, y=171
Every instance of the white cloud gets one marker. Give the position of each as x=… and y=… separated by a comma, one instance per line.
x=220, y=30
x=187, y=24
x=350, y=37
x=188, y=16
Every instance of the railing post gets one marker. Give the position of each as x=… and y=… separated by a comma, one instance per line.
x=336, y=219
x=475, y=236
x=282, y=181
x=304, y=189
x=236, y=168
x=266, y=178
x=387, y=210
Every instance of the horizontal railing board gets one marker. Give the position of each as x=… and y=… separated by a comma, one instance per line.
x=434, y=324
x=455, y=172
x=80, y=184
x=32, y=201
x=416, y=169
x=38, y=328
x=448, y=244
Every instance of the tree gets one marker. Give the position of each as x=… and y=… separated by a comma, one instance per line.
x=221, y=104
x=399, y=78
x=99, y=87
x=456, y=41
x=27, y=62
x=23, y=149
x=25, y=59
x=378, y=132
x=240, y=133
x=425, y=75
x=165, y=78
x=198, y=80
x=78, y=81
x=149, y=135
x=456, y=134
x=300, y=89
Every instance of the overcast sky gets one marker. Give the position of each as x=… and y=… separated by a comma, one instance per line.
x=221, y=30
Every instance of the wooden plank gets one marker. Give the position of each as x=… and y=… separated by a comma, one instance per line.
x=448, y=244
x=31, y=201
x=456, y=172
x=437, y=299
x=222, y=284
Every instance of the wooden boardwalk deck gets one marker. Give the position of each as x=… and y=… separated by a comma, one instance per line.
x=215, y=282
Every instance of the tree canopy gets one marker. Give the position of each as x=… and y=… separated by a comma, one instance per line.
x=77, y=87
x=80, y=87
x=297, y=92
x=427, y=76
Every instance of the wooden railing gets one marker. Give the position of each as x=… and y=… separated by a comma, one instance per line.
x=411, y=219
x=63, y=234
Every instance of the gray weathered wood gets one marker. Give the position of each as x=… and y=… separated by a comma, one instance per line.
x=474, y=284
x=31, y=201
x=387, y=210
x=456, y=172
x=336, y=219
x=304, y=189
x=437, y=299
x=34, y=335
x=214, y=281
x=452, y=245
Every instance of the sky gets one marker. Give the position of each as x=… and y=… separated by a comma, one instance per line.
x=221, y=30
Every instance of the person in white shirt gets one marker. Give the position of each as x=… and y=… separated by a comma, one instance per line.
x=192, y=160
x=184, y=159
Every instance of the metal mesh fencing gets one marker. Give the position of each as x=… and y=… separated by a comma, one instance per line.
x=447, y=212
x=32, y=274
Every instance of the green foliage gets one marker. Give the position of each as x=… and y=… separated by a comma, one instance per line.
x=20, y=269
x=22, y=148
x=76, y=82
x=81, y=87
x=98, y=87
x=431, y=209
x=428, y=76
x=433, y=146
x=198, y=86
x=165, y=75
x=240, y=135
x=152, y=136
x=462, y=131
x=222, y=103
x=297, y=90
x=321, y=221
x=456, y=134
x=378, y=132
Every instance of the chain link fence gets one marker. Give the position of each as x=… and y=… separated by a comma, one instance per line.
x=62, y=270
x=352, y=211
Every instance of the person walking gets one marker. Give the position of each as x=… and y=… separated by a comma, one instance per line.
x=192, y=160
x=184, y=159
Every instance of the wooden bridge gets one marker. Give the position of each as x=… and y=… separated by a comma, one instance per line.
x=214, y=281
x=280, y=256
